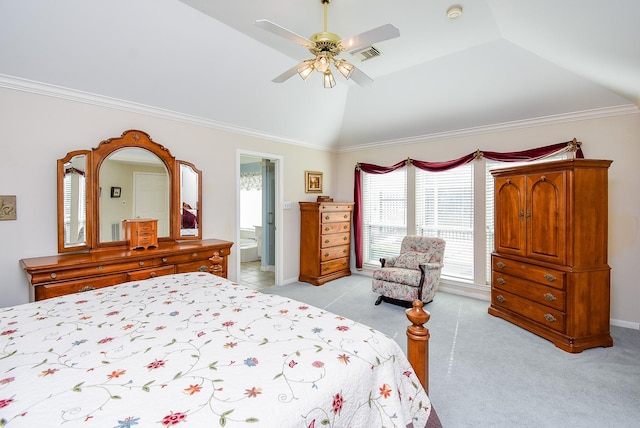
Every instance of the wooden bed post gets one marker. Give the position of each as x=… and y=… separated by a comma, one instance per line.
x=418, y=342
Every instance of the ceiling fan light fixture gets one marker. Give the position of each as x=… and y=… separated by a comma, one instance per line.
x=329, y=81
x=321, y=63
x=306, y=69
x=344, y=67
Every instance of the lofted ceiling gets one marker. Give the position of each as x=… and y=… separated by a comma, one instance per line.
x=502, y=62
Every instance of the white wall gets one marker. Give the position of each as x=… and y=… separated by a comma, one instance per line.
x=37, y=130
x=616, y=138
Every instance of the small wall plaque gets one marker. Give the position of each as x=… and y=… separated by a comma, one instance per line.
x=8, y=207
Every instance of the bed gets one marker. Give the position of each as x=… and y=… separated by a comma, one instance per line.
x=199, y=350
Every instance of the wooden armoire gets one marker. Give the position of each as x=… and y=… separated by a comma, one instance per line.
x=550, y=273
x=325, y=241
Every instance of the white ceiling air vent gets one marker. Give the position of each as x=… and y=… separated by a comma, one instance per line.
x=366, y=53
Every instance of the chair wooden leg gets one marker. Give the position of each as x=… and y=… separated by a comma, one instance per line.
x=379, y=300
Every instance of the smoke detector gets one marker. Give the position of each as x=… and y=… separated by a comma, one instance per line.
x=454, y=12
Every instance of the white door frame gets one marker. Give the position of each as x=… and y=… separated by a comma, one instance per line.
x=278, y=160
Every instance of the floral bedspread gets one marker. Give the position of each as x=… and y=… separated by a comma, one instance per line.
x=198, y=350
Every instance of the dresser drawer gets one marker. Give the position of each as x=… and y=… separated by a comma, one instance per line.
x=47, y=291
x=328, y=228
x=335, y=217
x=61, y=275
x=541, y=314
x=334, y=266
x=335, y=239
x=542, y=275
x=334, y=252
x=141, y=274
x=548, y=296
x=187, y=257
x=200, y=266
x=328, y=207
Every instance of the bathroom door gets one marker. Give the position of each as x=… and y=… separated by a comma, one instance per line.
x=268, y=214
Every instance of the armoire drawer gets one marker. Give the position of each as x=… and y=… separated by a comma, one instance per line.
x=47, y=291
x=547, y=296
x=541, y=314
x=542, y=275
x=334, y=266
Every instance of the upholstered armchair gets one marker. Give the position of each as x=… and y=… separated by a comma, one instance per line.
x=412, y=275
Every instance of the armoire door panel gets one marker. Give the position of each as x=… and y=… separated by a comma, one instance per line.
x=546, y=217
x=510, y=203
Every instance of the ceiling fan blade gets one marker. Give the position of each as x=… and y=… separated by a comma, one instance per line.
x=287, y=74
x=283, y=32
x=360, y=77
x=379, y=34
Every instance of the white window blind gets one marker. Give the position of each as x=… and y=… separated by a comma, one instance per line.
x=444, y=208
x=384, y=203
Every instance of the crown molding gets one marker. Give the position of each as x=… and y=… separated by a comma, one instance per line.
x=506, y=126
x=45, y=89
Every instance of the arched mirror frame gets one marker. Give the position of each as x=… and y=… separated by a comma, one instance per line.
x=95, y=158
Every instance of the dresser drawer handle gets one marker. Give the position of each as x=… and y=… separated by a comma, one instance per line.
x=141, y=263
x=164, y=260
x=203, y=268
x=153, y=274
x=501, y=281
x=194, y=255
x=501, y=265
x=549, y=317
x=346, y=216
x=326, y=268
x=327, y=217
x=500, y=298
x=344, y=251
x=326, y=241
x=345, y=238
x=86, y=288
x=326, y=229
x=326, y=254
x=549, y=277
x=100, y=267
x=550, y=297
x=345, y=227
x=54, y=275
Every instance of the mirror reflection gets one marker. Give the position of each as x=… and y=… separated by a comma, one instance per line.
x=75, y=201
x=134, y=183
x=189, y=203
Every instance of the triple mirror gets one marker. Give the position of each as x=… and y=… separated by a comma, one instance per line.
x=130, y=177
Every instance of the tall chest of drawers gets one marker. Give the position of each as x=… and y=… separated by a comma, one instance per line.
x=325, y=241
x=549, y=267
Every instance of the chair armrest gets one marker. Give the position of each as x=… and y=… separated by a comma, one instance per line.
x=432, y=266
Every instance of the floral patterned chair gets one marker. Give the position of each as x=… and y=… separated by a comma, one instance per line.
x=413, y=275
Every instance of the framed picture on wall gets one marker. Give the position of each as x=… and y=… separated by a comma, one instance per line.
x=115, y=192
x=313, y=181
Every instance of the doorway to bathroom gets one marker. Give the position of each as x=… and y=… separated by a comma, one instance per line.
x=257, y=220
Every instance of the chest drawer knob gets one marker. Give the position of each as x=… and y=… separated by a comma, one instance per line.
x=346, y=216
x=501, y=281
x=550, y=297
x=164, y=260
x=141, y=263
x=327, y=217
x=326, y=229
x=501, y=298
x=54, y=275
x=501, y=265
x=549, y=277
x=100, y=267
x=326, y=241
x=194, y=255
x=549, y=317
x=326, y=254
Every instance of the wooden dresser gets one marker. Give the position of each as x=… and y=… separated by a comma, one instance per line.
x=71, y=273
x=325, y=241
x=549, y=268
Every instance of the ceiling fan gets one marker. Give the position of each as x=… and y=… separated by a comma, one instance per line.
x=325, y=48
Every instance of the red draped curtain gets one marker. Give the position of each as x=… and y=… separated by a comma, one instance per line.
x=525, y=155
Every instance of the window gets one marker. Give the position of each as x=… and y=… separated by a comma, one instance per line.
x=384, y=200
x=444, y=209
x=74, y=204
